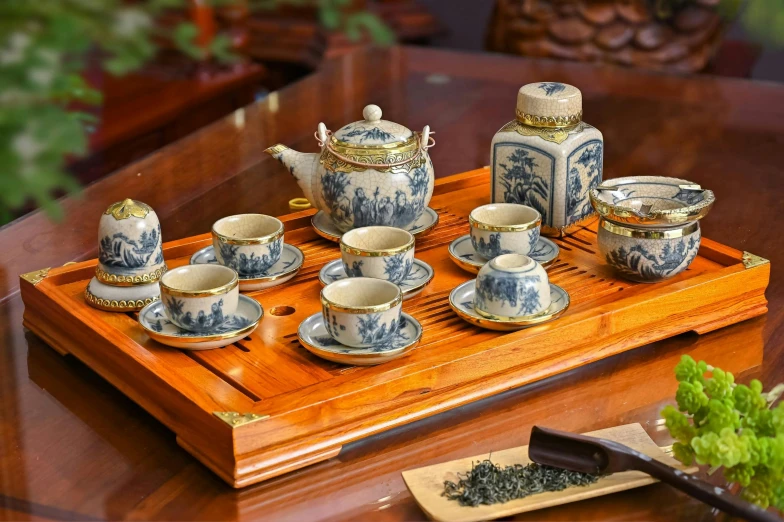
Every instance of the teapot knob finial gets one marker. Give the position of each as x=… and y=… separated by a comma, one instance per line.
x=372, y=113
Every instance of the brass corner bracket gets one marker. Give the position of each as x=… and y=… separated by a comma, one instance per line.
x=750, y=260
x=235, y=420
x=35, y=276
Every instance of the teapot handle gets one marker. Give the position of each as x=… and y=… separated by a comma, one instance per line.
x=321, y=134
x=427, y=140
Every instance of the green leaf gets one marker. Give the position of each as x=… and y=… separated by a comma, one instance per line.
x=222, y=49
x=184, y=37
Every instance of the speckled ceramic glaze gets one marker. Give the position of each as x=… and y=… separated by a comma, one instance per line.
x=511, y=286
x=199, y=298
x=379, y=252
x=250, y=244
x=361, y=311
x=504, y=228
x=129, y=245
x=548, y=158
x=648, y=255
x=370, y=172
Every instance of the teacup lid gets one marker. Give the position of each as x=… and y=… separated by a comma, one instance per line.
x=373, y=130
x=549, y=104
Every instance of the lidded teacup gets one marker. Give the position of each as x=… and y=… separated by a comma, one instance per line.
x=512, y=286
x=504, y=228
x=129, y=245
x=378, y=252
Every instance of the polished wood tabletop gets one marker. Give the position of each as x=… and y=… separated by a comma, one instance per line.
x=73, y=447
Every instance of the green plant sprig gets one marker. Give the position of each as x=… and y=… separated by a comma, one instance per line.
x=730, y=426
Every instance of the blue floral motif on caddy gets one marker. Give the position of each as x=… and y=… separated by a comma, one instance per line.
x=551, y=88
x=253, y=265
x=371, y=209
x=638, y=262
x=509, y=289
x=202, y=322
x=230, y=324
x=120, y=251
x=524, y=179
x=389, y=339
x=582, y=179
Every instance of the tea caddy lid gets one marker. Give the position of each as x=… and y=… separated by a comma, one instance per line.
x=372, y=131
x=549, y=104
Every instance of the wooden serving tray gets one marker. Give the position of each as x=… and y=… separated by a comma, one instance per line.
x=265, y=406
x=426, y=484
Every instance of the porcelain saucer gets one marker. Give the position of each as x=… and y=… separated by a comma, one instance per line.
x=235, y=327
x=291, y=259
x=463, y=254
x=462, y=302
x=419, y=277
x=327, y=229
x=314, y=337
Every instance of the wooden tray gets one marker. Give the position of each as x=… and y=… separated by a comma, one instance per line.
x=426, y=484
x=265, y=406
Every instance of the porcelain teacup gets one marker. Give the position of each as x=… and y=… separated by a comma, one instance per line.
x=248, y=243
x=378, y=252
x=511, y=286
x=199, y=297
x=361, y=311
x=504, y=228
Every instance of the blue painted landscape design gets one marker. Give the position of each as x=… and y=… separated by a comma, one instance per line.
x=519, y=292
x=364, y=134
x=582, y=178
x=522, y=178
x=551, y=88
x=230, y=324
x=120, y=251
x=353, y=205
x=491, y=249
x=389, y=339
x=253, y=265
x=202, y=322
x=638, y=262
x=396, y=268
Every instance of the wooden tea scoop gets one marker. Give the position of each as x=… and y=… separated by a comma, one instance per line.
x=600, y=456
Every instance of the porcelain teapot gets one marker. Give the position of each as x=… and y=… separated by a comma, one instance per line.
x=370, y=172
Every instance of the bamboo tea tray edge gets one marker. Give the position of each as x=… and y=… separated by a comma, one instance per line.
x=265, y=406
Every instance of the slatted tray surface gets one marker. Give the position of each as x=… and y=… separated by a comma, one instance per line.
x=287, y=408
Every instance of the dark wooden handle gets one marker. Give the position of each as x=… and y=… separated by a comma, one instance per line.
x=715, y=496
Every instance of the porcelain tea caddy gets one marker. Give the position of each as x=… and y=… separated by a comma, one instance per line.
x=370, y=172
x=548, y=158
x=130, y=258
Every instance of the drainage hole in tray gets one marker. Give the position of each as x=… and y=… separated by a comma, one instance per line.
x=282, y=310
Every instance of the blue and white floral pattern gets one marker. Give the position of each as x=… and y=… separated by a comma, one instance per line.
x=362, y=330
x=122, y=252
x=544, y=252
x=491, y=248
x=247, y=263
x=364, y=134
x=230, y=324
x=525, y=175
x=584, y=172
x=418, y=276
x=551, y=88
x=201, y=321
x=519, y=292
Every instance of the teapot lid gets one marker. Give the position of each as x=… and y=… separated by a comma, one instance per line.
x=373, y=131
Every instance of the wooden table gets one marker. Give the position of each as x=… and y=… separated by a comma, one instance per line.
x=73, y=447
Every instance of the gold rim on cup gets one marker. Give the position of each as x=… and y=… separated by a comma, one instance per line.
x=519, y=227
x=261, y=240
x=359, y=309
x=368, y=252
x=207, y=292
x=672, y=233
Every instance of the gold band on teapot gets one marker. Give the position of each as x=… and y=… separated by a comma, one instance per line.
x=348, y=157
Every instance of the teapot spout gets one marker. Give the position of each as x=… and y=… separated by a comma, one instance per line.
x=301, y=165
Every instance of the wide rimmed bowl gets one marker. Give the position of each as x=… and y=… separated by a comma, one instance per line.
x=651, y=201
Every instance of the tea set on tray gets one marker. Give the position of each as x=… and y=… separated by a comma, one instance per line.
x=372, y=182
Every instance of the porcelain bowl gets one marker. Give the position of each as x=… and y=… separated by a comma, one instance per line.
x=361, y=312
x=379, y=252
x=199, y=297
x=511, y=286
x=651, y=201
x=504, y=228
x=648, y=255
x=248, y=243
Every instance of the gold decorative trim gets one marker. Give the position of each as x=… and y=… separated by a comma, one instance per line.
x=750, y=260
x=123, y=280
x=276, y=149
x=522, y=227
x=114, y=305
x=299, y=204
x=380, y=162
x=127, y=208
x=358, y=358
x=161, y=337
x=640, y=233
x=219, y=290
x=235, y=420
x=262, y=240
x=362, y=252
x=555, y=135
x=549, y=121
x=383, y=307
x=674, y=216
x=36, y=276
x=497, y=323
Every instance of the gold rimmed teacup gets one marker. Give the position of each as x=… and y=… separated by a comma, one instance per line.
x=248, y=243
x=199, y=297
x=379, y=252
x=361, y=312
x=504, y=228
